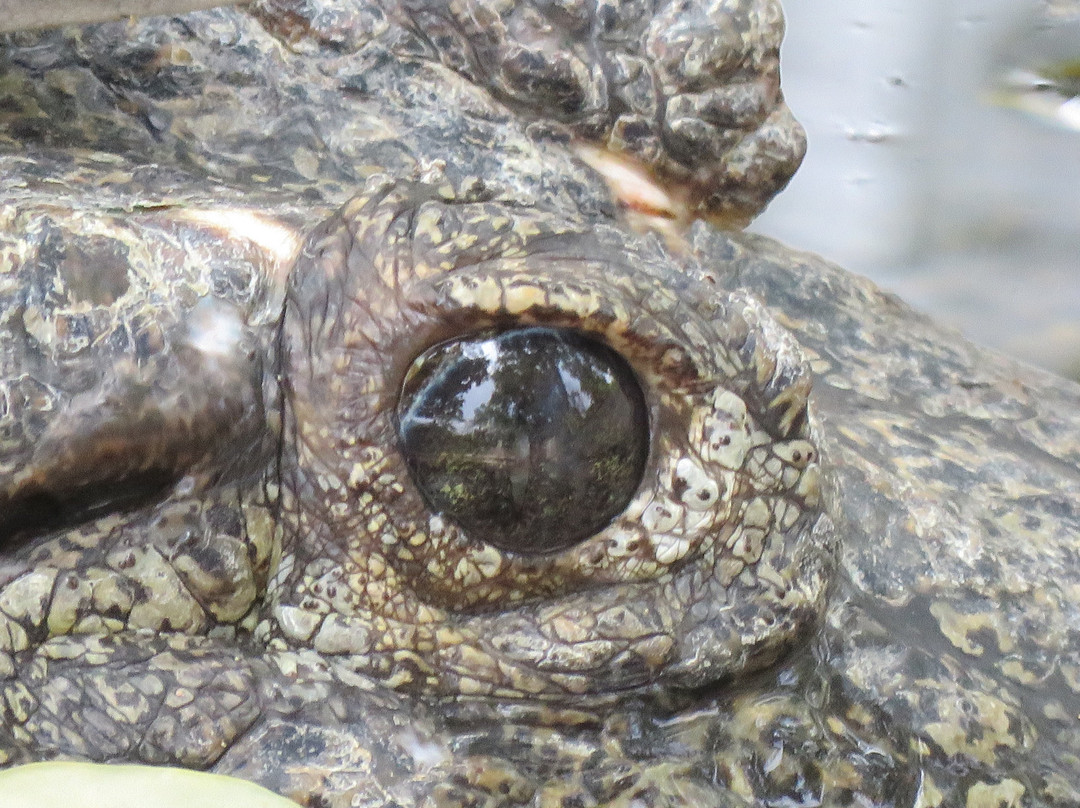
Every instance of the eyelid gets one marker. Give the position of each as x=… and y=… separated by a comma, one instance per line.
x=718, y=519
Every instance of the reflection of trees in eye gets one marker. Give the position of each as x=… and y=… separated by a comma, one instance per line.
x=441, y=384
x=579, y=392
x=531, y=439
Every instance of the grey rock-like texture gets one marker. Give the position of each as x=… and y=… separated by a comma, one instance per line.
x=847, y=577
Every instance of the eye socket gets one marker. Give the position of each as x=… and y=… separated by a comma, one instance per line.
x=531, y=440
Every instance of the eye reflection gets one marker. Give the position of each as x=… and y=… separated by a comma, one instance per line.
x=531, y=440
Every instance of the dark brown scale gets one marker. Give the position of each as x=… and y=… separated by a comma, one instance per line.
x=249, y=580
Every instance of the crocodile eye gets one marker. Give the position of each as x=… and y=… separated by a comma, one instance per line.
x=531, y=440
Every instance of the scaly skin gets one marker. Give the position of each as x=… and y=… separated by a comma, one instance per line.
x=327, y=546
x=222, y=241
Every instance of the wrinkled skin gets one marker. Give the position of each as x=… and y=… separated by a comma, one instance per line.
x=223, y=240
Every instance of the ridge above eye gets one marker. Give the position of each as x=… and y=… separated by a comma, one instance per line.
x=531, y=439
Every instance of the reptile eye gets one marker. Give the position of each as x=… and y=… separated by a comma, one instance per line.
x=531, y=440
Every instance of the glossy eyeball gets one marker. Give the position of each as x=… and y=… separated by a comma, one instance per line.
x=531, y=440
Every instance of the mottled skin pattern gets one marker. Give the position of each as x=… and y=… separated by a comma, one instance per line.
x=222, y=240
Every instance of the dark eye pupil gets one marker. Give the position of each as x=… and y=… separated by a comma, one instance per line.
x=531, y=440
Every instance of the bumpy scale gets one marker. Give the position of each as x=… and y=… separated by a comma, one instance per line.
x=225, y=239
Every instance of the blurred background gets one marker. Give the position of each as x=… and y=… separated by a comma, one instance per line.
x=944, y=160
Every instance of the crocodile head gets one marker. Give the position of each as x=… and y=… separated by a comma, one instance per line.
x=351, y=444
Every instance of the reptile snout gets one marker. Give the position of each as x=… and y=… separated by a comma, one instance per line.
x=717, y=552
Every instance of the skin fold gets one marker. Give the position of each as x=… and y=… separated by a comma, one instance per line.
x=847, y=575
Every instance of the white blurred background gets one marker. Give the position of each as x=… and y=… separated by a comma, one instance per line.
x=944, y=160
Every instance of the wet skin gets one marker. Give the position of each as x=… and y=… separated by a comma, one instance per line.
x=215, y=552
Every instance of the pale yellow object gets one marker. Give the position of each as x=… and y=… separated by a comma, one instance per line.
x=95, y=785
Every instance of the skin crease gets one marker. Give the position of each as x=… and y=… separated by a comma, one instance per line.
x=848, y=574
